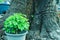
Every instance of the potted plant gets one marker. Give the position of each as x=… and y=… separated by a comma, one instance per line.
x=4, y=5
x=1, y=1
x=16, y=26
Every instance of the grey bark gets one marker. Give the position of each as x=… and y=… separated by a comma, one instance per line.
x=50, y=28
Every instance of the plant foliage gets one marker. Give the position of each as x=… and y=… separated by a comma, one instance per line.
x=16, y=23
x=2, y=0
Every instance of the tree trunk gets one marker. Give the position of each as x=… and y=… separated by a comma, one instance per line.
x=43, y=24
x=50, y=28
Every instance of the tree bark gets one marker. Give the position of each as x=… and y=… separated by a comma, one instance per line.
x=50, y=28
x=43, y=24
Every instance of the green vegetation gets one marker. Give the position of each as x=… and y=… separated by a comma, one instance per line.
x=1, y=1
x=16, y=23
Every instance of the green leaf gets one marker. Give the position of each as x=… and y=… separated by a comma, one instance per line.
x=2, y=0
x=20, y=27
x=13, y=31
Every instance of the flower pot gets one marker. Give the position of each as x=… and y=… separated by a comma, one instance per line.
x=20, y=36
x=4, y=8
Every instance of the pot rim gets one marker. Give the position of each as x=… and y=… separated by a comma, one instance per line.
x=5, y=4
x=21, y=34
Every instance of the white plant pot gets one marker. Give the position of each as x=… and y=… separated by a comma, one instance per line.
x=16, y=36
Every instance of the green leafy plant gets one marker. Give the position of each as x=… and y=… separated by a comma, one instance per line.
x=2, y=0
x=16, y=23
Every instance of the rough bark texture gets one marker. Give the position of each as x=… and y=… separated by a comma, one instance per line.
x=50, y=28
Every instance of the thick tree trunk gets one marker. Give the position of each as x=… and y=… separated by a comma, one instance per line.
x=44, y=25
x=50, y=28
